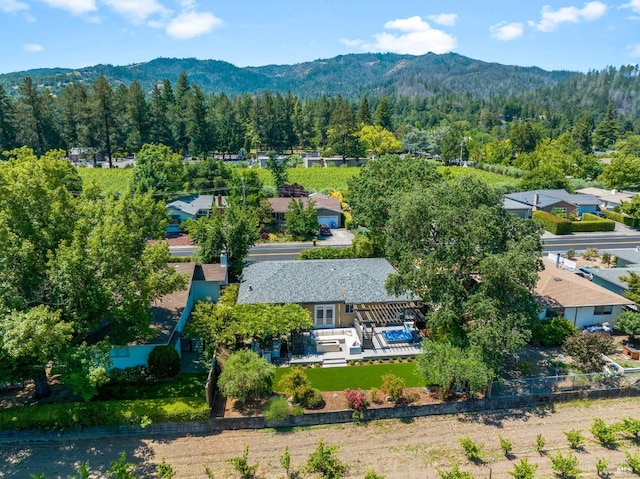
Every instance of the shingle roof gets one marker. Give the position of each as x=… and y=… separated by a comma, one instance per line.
x=630, y=255
x=550, y=197
x=281, y=205
x=610, y=196
x=612, y=275
x=559, y=287
x=192, y=204
x=317, y=281
x=509, y=204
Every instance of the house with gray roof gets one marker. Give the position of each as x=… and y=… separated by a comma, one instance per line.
x=627, y=261
x=559, y=199
x=192, y=207
x=338, y=293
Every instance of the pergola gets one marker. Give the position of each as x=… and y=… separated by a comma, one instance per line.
x=383, y=314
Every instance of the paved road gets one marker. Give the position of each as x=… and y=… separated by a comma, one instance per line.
x=580, y=243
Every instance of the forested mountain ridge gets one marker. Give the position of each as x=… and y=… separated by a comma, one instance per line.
x=348, y=75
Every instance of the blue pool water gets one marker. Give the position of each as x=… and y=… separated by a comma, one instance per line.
x=396, y=335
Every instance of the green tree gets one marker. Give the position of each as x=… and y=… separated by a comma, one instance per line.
x=364, y=112
x=87, y=259
x=473, y=265
x=586, y=350
x=278, y=168
x=138, y=112
x=371, y=193
x=35, y=117
x=378, y=141
x=629, y=323
x=295, y=384
x=454, y=147
x=301, y=218
x=102, y=106
x=324, y=462
x=581, y=135
x=622, y=172
x=8, y=126
x=233, y=232
x=452, y=368
x=544, y=177
x=606, y=131
x=383, y=114
x=632, y=207
x=246, y=376
x=35, y=338
x=341, y=133
x=633, y=286
x=157, y=169
x=393, y=386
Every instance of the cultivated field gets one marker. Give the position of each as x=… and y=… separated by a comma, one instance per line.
x=394, y=449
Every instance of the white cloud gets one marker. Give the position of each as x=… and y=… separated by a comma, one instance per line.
x=351, y=43
x=192, y=24
x=136, y=11
x=416, y=37
x=551, y=19
x=633, y=5
x=634, y=50
x=10, y=6
x=32, y=47
x=76, y=7
x=447, y=19
x=506, y=31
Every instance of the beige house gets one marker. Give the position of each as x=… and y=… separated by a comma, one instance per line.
x=584, y=303
x=328, y=208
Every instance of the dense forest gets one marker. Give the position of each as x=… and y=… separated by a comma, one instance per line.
x=349, y=75
x=456, y=115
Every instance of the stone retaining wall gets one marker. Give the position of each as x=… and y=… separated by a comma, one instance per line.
x=214, y=425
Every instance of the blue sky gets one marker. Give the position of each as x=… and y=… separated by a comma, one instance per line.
x=566, y=34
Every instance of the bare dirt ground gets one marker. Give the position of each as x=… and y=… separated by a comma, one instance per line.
x=394, y=449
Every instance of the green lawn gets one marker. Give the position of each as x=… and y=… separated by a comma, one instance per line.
x=185, y=385
x=353, y=377
x=109, y=180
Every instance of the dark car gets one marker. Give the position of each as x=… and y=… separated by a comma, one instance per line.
x=325, y=230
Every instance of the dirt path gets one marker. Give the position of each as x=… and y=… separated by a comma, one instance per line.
x=392, y=448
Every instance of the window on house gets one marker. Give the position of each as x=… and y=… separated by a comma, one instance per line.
x=348, y=308
x=324, y=315
x=599, y=310
x=175, y=219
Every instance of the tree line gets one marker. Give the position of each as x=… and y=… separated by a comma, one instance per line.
x=114, y=120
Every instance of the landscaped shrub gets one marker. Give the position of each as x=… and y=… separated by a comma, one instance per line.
x=164, y=362
x=552, y=332
x=313, y=400
x=356, y=399
x=592, y=225
x=552, y=223
x=393, y=386
x=295, y=384
x=622, y=218
x=276, y=409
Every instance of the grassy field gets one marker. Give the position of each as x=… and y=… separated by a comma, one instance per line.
x=114, y=180
x=353, y=377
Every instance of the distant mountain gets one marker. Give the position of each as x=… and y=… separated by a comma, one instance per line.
x=349, y=75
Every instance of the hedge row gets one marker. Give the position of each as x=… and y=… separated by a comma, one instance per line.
x=552, y=223
x=622, y=218
x=592, y=223
x=103, y=413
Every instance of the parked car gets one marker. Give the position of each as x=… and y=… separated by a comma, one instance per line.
x=325, y=231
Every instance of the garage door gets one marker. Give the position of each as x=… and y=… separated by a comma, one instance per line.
x=332, y=221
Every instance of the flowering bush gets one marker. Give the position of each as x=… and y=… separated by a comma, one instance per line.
x=356, y=400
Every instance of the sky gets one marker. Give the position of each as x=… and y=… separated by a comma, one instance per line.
x=554, y=35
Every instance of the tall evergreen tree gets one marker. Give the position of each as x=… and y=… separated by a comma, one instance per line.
x=383, y=114
x=8, y=138
x=102, y=103
x=364, y=113
x=138, y=111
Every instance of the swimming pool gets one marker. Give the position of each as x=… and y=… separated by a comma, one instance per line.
x=396, y=335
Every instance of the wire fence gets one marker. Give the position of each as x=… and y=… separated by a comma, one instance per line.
x=553, y=384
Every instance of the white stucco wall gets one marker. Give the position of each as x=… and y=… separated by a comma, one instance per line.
x=583, y=317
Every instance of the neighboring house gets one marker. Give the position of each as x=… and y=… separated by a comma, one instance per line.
x=170, y=313
x=192, y=207
x=341, y=293
x=627, y=261
x=563, y=293
x=609, y=199
x=515, y=207
x=328, y=209
x=310, y=161
x=554, y=200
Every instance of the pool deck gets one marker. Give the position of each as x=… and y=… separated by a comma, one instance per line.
x=381, y=350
